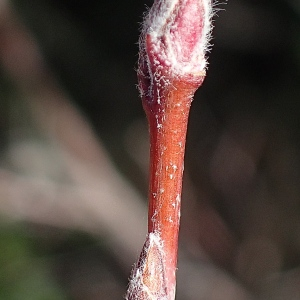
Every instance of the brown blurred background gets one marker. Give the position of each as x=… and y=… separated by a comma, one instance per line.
x=74, y=153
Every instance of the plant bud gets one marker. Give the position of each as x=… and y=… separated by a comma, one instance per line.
x=174, y=39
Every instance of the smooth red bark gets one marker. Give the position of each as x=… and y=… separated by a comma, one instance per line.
x=168, y=125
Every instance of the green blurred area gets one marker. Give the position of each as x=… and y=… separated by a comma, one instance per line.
x=25, y=273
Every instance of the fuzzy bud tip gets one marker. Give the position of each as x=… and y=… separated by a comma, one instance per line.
x=174, y=39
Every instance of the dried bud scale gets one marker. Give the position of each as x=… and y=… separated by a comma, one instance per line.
x=148, y=278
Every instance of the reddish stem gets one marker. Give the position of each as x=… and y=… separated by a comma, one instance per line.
x=168, y=120
x=154, y=276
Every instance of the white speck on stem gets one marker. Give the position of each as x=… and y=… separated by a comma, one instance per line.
x=153, y=218
x=178, y=199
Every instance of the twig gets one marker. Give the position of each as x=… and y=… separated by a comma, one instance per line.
x=171, y=68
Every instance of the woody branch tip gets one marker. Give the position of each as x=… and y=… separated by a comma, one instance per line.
x=172, y=64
